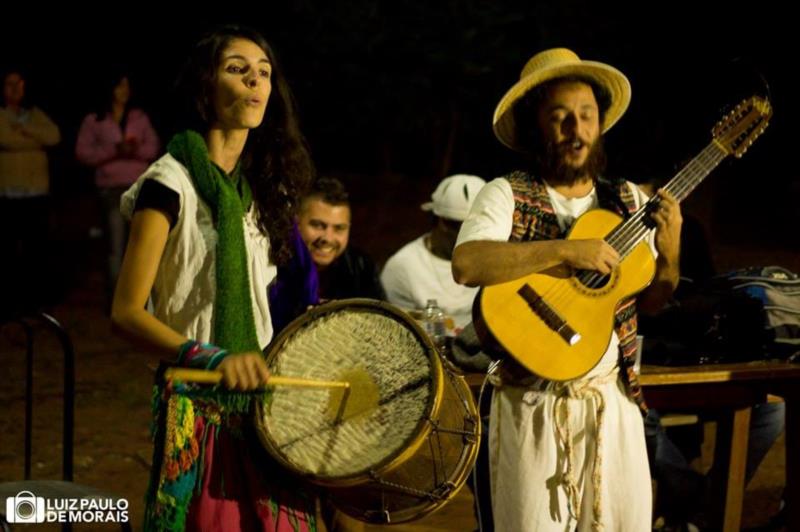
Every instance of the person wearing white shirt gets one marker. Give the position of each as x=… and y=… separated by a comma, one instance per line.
x=421, y=269
x=565, y=455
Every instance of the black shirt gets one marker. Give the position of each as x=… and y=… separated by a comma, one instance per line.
x=353, y=274
x=155, y=195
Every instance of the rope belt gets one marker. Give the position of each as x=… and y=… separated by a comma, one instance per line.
x=581, y=389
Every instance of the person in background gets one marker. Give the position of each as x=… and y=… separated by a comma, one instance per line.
x=325, y=221
x=26, y=132
x=685, y=495
x=421, y=270
x=119, y=142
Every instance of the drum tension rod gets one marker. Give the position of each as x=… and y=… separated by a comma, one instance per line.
x=442, y=491
x=400, y=487
x=372, y=516
x=435, y=427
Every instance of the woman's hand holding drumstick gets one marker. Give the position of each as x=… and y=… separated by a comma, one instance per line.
x=244, y=371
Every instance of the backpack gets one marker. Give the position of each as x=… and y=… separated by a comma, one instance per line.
x=743, y=315
x=778, y=291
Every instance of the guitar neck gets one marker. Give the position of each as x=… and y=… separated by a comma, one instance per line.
x=695, y=172
x=629, y=233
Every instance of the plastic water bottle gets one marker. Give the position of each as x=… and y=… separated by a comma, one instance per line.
x=433, y=318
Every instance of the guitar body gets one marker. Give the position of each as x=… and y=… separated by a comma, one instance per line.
x=519, y=324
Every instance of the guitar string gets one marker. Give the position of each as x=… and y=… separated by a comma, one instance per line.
x=626, y=237
x=636, y=229
x=684, y=186
x=634, y=224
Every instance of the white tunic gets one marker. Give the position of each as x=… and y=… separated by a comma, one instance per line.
x=185, y=287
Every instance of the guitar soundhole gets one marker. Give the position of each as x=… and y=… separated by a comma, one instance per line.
x=592, y=279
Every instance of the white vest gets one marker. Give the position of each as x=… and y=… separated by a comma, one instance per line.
x=185, y=286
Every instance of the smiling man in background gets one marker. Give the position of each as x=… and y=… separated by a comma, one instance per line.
x=324, y=222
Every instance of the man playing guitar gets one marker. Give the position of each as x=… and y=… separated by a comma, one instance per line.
x=559, y=447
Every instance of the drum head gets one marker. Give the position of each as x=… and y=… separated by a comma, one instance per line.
x=340, y=437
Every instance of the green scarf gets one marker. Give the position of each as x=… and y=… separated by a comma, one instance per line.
x=229, y=198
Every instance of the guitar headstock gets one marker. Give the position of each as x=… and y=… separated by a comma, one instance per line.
x=737, y=131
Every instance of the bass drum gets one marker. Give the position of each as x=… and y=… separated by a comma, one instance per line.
x=395, y=446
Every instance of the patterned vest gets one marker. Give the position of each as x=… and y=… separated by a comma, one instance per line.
x=535, y=219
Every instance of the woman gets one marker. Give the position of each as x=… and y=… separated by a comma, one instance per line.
x=119, y=142
x=210, y=221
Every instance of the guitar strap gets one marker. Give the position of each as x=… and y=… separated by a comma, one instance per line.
x=608, y=196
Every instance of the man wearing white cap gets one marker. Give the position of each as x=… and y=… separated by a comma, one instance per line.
x=565, y=455
x=421, y=269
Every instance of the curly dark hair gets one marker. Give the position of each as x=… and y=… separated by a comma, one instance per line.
x=276, y=158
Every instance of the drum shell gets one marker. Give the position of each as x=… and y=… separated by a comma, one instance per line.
x=436, y=471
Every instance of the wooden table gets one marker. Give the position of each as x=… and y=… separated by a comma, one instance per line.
x=733, y=389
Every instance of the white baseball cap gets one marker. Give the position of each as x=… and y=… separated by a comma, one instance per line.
x=453, y=197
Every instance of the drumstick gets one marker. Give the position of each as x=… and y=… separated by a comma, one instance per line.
x=202, y=376
x=342, y=406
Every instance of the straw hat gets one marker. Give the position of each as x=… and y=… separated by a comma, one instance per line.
x=558, y=63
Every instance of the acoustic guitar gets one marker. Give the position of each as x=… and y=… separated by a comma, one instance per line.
x=558, y=323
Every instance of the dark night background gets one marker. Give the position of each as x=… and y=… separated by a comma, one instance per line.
x=394, y=96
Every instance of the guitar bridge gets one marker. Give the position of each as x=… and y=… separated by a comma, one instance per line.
x=550, y=317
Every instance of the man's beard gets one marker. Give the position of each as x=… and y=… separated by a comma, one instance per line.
x=553, y=165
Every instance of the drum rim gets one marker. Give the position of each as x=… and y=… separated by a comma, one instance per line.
x=423, y=427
